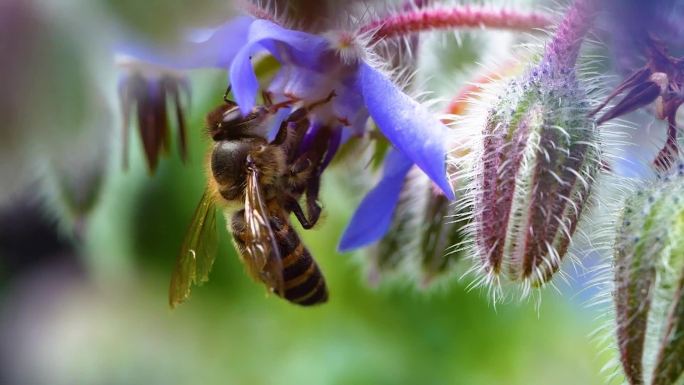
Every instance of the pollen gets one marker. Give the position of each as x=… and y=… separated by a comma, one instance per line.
x=347, y=45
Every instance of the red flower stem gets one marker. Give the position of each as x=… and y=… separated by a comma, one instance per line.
x=419, y=20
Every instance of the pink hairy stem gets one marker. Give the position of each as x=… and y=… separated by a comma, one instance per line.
x=419, y=20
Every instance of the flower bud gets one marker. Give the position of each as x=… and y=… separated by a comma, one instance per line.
x=535, y=167
x=649, y=284
x=442, y=240
x=402, y=241
x=424, y=241
x=146, y=92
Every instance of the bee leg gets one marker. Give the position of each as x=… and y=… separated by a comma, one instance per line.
x=293, y=206
x=238, y=228
x=300, y=116
x=304, y=178
x=266, y=96
x=300, y=165
x=298, y=174
x=289, y=138
x=225, y=95
x=310, y=178
x=312, y=206
x=296, y=132
x=272, y=108
x=282, y=135
x=317, y=103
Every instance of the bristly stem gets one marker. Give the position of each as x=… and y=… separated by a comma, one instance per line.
x=256, y=10
x=419, y=20
x=565, y=46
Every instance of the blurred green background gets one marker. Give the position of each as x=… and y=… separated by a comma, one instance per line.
x=91, y=308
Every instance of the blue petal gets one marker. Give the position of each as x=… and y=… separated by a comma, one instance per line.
x=217, y=50
x=221, y=46
x=373, y=217
x=333, y=146
x=287, y=46
x=276, y=122
x=244, y=80
x=350, y=107
x=300, y=82
x=309, y=136
x=411, y=128
x=297, y=47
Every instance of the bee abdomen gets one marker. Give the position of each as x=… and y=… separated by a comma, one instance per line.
x=303, y=280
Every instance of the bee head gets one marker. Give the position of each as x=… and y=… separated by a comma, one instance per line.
x=228, y=166
x=221, y=119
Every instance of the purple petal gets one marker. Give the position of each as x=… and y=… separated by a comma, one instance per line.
x=309, y=136
x=287, y=46
x=221, y=46
x=244, y=80
x=333, y=146
x=300, y=82
x=215, y=51
x=411, y=128
x=373, y=217
x=349, y=106
x=276, y=122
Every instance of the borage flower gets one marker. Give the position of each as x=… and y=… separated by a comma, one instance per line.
x=343, y=64
x=313, y=67
x=661, y=81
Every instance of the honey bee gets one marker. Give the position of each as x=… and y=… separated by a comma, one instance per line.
x=258, y=184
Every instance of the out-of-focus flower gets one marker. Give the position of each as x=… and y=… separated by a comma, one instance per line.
x=535, y=164
x=628, y=26
x=645, y=42
x=424, y=235
x=55, y=123
x=39, y=107
x=146, y=92
x=649, y=283
x=661, y=81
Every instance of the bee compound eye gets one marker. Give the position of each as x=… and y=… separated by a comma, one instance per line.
x=227, y=162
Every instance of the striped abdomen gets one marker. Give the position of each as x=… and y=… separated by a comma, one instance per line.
x=303, y=280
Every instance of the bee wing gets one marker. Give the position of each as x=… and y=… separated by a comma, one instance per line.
x=265, y=261
x=197, y=252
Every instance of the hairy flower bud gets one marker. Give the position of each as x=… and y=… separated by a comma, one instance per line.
x=402, y=241
x=536, y=165
x=425, y=236
x=443, y=239
x=649, y=284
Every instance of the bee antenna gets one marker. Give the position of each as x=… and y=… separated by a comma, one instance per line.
x=225, y=95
